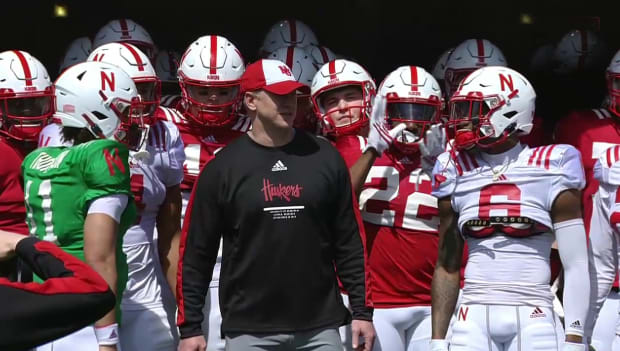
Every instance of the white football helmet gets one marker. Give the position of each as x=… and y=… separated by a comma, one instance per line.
x=336, y=74
x=299, y=61
x=321, y=55
x=211, y=62
x=126, y=31
x=578, y=50
x=26, y=96
x=285, y=33
x=439, y=69
x=495, y=102
x=413, y=97
x=138, y=66
x=613, y=84
x=468, y=57
x=103, y=99
x=302, y=66
x=78, y=51
x=166, y=65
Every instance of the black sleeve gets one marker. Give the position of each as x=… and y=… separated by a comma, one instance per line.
x=200, y=240
x=348, y=232
x=33, y=314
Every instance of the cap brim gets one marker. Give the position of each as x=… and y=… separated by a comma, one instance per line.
x=286, y=87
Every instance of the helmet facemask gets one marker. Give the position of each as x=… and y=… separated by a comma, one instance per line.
x=470, y=120
x=349, y=120
x=150, y=94
x=132, y=131
x=417, y=114
x=211, y=104
x=25, y=114
x=613, y=87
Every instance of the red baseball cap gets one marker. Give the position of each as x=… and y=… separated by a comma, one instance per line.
x=271, y=75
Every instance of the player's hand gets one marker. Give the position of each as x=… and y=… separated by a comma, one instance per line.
x=365, y=329
x=195, y=343
x=432, y=145
x=379, y=137
x=108, y=348
x=8, y=243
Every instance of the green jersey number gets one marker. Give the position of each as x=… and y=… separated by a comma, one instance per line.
x=44, y=198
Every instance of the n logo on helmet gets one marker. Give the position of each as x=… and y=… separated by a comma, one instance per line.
x=98, y=57
x=506, y=81
x=109, y=79
x=285, y=70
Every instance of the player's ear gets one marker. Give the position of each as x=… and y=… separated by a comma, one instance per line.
x=249, y=100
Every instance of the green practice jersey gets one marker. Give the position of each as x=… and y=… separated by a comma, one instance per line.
x=61, y=182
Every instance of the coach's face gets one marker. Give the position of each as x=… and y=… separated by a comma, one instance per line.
x=279, y=110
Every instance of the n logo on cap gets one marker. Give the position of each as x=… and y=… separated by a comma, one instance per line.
x=285, y=70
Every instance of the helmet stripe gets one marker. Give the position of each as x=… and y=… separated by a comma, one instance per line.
x=136, y=56
x=25, y=67
x=124, y=28
x=414, y=78
x=213, y=63
x=293, y=27
x=324, y=54
x=289, y=56
x=480, y=45
x=332, y=69
x=584, y=49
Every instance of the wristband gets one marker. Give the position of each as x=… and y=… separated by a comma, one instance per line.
x=107, y=335
x=571, y=346
x=439, y=345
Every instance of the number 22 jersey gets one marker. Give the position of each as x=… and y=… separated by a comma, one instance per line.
x=504, y=203
x=401, y=222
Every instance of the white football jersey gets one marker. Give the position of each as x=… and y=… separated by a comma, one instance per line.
x=150, y=178
x=504, y=202
x=605, y=228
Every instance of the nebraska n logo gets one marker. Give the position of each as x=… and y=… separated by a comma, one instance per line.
x=463, y=313
x=110, y=80
x=113, y=161
x=507, y=81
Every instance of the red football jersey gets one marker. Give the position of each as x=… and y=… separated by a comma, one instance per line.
x=401, y=223
x=592, y=132
x=12, y=208
x=201, y=143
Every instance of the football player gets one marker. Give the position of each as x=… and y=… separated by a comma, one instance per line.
x=79, y=197
x=509, y=203
x=592, y=132
x=152, y=242
x=207, y=118
x=604, y=233
x=26, y=105
x=400, y=214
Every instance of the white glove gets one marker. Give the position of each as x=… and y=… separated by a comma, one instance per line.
x=439, y=345
x=432, y=145
x=571, y=346
x=379, y=137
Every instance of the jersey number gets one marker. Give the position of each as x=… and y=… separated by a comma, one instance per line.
x=493, y=198
x=44, y=194
x=137, y=189
x=419, y=212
